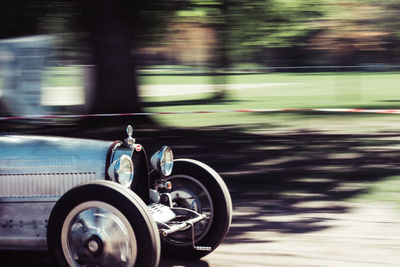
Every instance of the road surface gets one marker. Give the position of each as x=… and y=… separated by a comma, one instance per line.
x=263, y=234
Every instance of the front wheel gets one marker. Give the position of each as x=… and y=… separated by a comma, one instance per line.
x=198, y=187
x=102, y=224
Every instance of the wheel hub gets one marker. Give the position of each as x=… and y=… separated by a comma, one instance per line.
x=94, y=246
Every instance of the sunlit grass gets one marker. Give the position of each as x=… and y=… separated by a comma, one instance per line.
x=316, y=90
x=374, y=90
x=285, y=90
x=63, y=76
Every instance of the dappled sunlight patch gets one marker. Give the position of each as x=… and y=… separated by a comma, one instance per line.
x=330, y=168
x=315, y=180
x=349, y=187
x=270, y=162
x=370, y=148
x=325, y=204
x=344, y=155
x=273, y=148
x=300, y=195
x=382, y=166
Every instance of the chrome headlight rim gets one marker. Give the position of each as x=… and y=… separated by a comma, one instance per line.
x=163, y=160
x=122, y=170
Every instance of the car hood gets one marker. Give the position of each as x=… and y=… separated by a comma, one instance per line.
x=21, y=154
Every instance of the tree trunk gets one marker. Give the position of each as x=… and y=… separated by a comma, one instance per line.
x=221, y=61
x=111, y=40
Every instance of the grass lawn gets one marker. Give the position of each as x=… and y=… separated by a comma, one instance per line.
x=316, y=90
x=282, y=90
x=374, y=90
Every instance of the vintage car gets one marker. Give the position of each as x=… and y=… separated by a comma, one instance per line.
x=97, y=203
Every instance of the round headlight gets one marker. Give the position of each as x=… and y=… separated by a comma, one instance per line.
x=163, y=160
x=122, y=170
x=167, y=161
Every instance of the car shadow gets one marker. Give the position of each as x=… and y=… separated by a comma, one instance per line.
x=168, y=262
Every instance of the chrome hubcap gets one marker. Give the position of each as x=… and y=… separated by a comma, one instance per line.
x=97, y=234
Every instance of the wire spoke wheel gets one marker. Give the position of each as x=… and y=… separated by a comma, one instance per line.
x=189, y=193
x=198, y=187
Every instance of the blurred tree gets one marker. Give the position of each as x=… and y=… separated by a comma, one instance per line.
x=244, y=28
x=358, y=31
x=113, y=29
x=117, y=28
x=386, y=16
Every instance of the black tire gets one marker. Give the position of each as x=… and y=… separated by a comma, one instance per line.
x=123, y=204
x=217, y=224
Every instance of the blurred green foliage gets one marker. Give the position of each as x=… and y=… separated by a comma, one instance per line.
x=250, y=26
x=245, y=31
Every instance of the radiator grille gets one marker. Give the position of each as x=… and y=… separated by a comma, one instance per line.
x=41, y=184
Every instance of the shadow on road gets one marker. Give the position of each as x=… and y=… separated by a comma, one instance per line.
x=166, y=262
x=43, y=259
x=277, y=174
x=269, y=174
